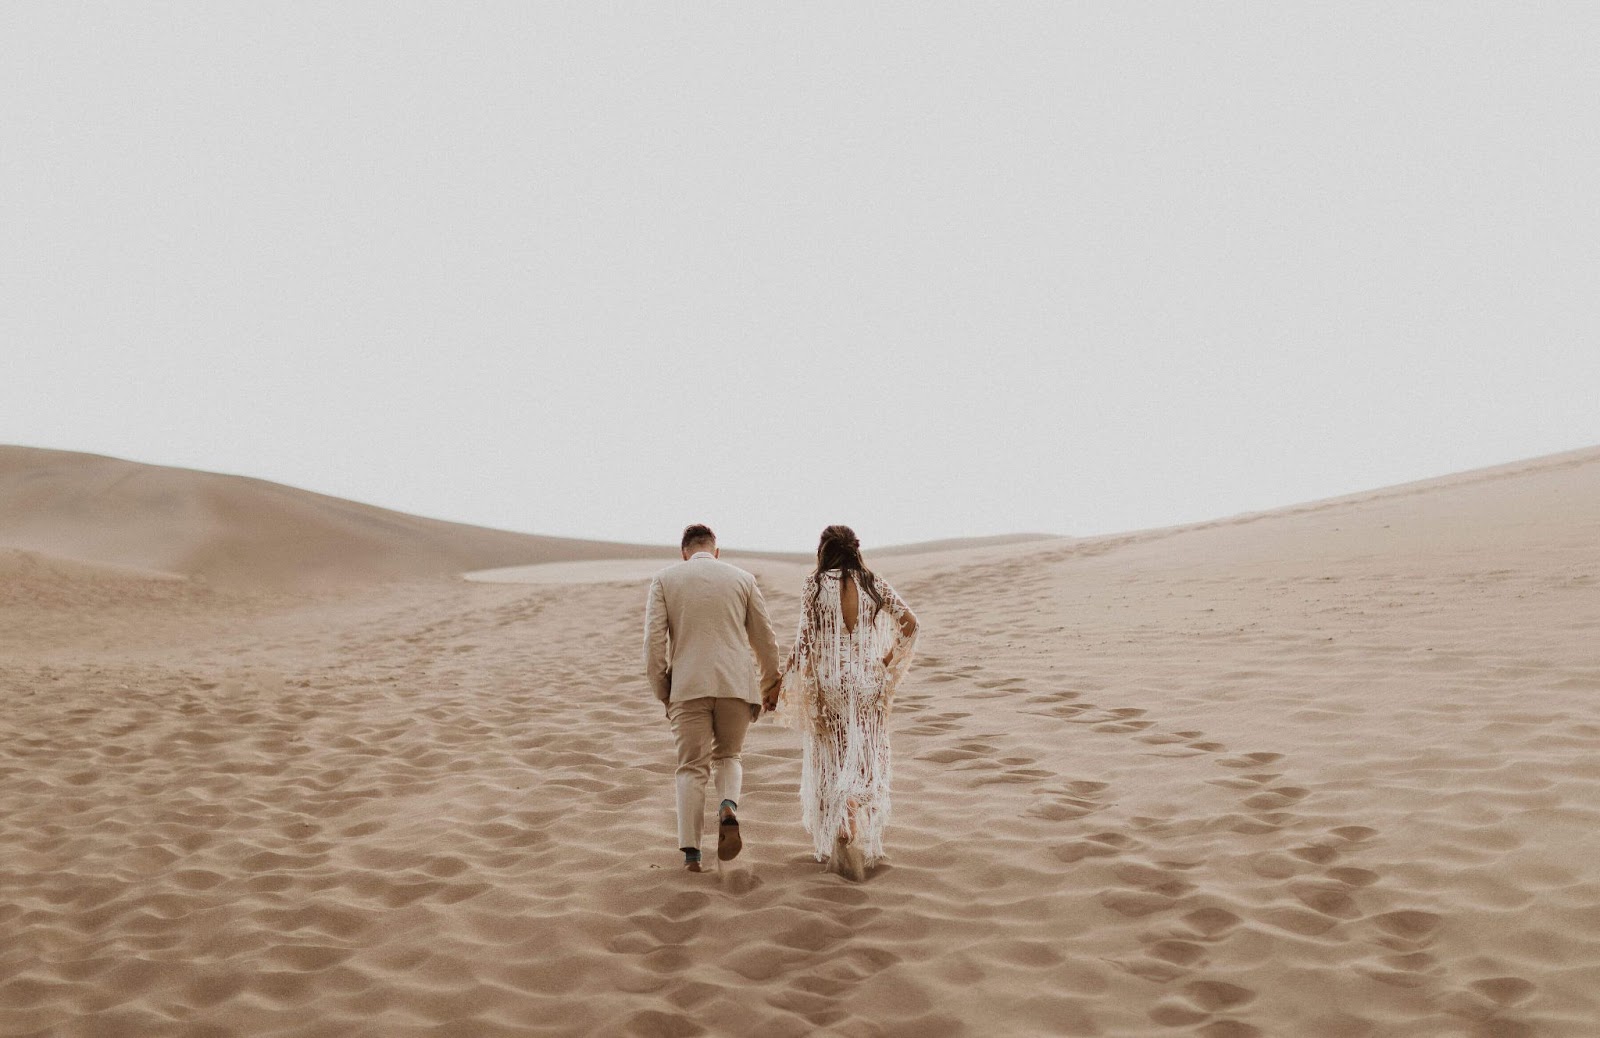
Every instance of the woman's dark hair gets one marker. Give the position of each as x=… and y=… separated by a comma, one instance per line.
x=841, y=550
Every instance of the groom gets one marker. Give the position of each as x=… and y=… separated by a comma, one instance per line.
x=700, y=623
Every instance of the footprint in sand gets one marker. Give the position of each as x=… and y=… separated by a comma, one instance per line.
x=1316, y=853
x=1161, y=740
x=657, y=1024
x=1169, y=1013
x=1149, y=889
x=1409, y=925
x=814, y=935
x=1009, y=684
x=1352, y=877
x=1485, y=1002
x=1210, y=924
x=1243, y=782
x=1059, y=811
x=685, y=903
x=1354, y=833
x=1124, y=727
x=1097, y=846
x=948, y=756
x=1164, y=881
x=1215, y=995
x=1278, y=796
x=1411, y=970
x=1136, y=903
x=1505, y=991
x=1251, y=760
x=1229, y=1029
x=1200, y=1001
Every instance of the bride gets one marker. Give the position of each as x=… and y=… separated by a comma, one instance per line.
x=854, y=645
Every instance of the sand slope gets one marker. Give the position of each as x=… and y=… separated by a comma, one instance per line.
x=239, y=531
x=1329, y=772
x=233, y=529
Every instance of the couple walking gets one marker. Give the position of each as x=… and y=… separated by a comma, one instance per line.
x=854, y=644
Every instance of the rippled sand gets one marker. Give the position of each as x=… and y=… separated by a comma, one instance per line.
x=1332, y=772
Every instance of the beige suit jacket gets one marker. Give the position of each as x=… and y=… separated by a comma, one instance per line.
x=701, y=622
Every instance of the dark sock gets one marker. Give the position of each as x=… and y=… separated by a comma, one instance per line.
x=690, y=854
x=728, y=806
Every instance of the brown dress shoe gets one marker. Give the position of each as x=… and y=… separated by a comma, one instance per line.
x=729, y=842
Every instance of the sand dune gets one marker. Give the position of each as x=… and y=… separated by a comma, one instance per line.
x=237, y=530
x=1331, y=771
x=241, y=531
x=17, y=565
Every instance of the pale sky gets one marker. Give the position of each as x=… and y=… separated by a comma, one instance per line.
x=930, y=269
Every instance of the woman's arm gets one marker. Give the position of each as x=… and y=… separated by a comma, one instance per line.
x=905, y=620
x=799, y=655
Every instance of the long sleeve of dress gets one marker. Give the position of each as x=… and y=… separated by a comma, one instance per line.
x=793, y=693
x=902, y=647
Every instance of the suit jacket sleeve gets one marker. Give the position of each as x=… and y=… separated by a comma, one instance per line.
x=758, y=627
x=656, y=667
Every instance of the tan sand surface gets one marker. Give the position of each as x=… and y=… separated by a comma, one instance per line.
x=241, y=531
x=1331, y=771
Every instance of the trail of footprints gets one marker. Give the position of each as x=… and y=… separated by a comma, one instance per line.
x=1319, y=871
x=815, y=960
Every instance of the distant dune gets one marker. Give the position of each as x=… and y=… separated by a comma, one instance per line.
x=962, y=543
x=237, y=530
x=233, y=529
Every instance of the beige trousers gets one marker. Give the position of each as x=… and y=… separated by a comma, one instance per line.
x=708, y=730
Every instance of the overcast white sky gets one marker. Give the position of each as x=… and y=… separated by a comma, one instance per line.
x=929, y=269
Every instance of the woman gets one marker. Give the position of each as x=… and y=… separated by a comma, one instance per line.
x=854, y=645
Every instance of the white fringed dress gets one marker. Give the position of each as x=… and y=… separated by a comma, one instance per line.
x=837, y=690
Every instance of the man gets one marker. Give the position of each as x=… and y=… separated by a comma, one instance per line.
x=700, y=623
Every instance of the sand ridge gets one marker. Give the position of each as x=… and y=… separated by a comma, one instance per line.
x=240, y=531
x=1324, y=772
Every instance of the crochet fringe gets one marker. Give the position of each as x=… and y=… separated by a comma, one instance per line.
x=837, y=691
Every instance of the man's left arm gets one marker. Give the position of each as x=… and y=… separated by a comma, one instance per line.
x=758, y=627
x=656, y=667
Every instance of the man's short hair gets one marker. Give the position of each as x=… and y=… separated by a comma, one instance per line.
x=697, y=533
